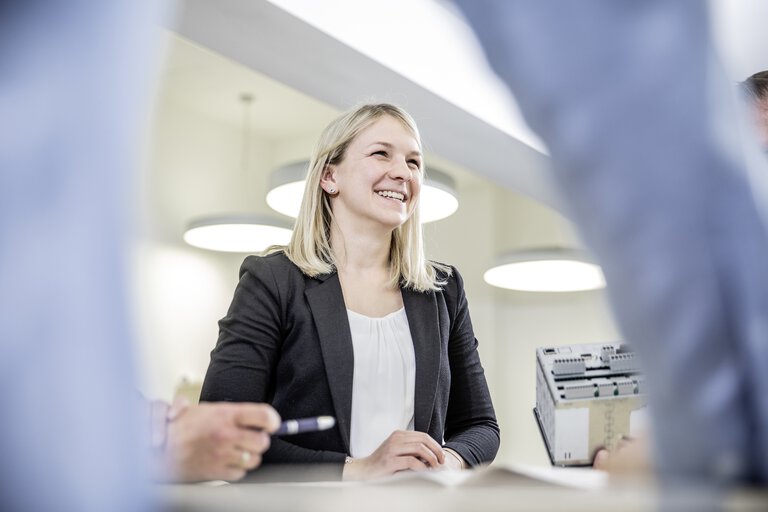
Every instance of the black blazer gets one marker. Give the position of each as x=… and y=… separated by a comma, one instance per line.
x=286, y=341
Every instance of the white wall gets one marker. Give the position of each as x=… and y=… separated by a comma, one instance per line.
x=525, y=321
x=194, y=170
x=182, y=291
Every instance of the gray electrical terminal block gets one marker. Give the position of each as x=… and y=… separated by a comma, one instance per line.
x=586, y=398
x=567, y=365
x=622, y=363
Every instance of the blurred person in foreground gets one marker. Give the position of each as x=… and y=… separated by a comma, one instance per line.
x=632, y=455
x=632, y=106
x=75, y=79
x=74, y=84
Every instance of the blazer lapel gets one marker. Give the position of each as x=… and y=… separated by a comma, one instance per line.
x=330, y=315
x=421, y=310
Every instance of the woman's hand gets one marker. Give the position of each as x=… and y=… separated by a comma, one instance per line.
x=401, y=451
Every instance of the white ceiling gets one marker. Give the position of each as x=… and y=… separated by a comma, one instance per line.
x=204, y=82
x=427, y=41
x=209, y=84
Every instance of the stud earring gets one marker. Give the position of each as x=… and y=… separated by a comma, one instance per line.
x=331, y=190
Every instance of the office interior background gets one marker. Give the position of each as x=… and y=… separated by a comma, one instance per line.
x=304, y=62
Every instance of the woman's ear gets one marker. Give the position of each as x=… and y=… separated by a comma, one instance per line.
x=328, y=180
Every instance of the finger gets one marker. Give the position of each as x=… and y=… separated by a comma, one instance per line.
x=432, y=446
x=232, y=473
x=254, y=441
x=259, y=416
x=409, y=436
x=601, y=461
x=243, y=459
x=408, y=463
x=423, y=452
x=414, y=449
x=251, y=462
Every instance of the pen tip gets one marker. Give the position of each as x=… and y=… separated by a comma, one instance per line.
x=326, y=422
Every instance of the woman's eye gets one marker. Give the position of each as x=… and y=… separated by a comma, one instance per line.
x=381, y=152
x=414, y=164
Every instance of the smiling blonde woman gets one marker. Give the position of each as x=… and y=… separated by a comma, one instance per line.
x=350, y=319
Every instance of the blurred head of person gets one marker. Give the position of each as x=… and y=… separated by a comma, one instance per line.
x=756, y=90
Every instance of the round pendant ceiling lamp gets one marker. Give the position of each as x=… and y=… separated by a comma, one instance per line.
x=439, y=198
x=244, y=233
x=546, y=270
x=237, y=233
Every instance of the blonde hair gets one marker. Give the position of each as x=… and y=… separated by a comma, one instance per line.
x=310, y=247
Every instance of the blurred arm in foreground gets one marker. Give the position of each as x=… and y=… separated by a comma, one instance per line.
x=631, y=105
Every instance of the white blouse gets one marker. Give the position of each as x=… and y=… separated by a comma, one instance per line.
x=384, y=379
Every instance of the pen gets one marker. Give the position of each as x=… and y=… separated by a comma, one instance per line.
x=302, y=425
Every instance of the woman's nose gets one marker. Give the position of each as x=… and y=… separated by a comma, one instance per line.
x=400, y=170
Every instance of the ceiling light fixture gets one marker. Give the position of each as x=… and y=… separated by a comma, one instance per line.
x=546, y=270
x=238, y=232
x=286, y=188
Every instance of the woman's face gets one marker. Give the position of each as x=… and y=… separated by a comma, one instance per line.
x=379, y=179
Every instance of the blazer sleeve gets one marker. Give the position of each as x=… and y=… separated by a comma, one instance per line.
x=243, y=362
x=470, y=426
